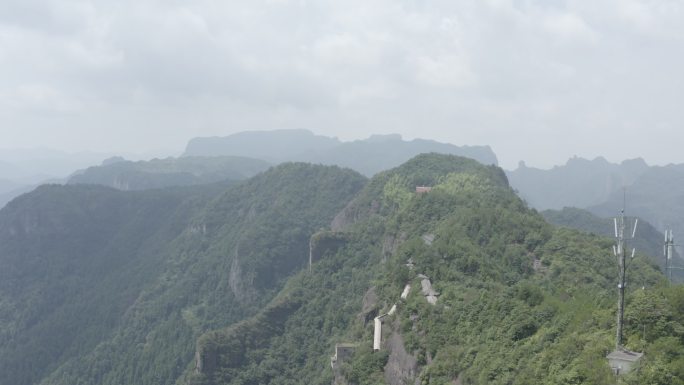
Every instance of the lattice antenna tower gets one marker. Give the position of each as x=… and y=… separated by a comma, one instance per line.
x=668, y=251
x=619, y=250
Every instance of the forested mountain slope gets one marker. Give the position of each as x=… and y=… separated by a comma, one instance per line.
x=101, y=286
x=72, y=260
x=209, y=285
x=517, y=300
x=648, y=240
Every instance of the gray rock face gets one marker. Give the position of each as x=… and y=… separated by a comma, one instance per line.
x=369, y=307
x=391, y=244
x=402, y=367
x=242, y=289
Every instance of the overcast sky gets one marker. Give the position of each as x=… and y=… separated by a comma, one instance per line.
x=539, y=81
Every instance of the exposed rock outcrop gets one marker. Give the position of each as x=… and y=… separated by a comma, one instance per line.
x=401, y=367
x=325, y=242
x=370, y=306
x=242, y=288
x=391, y=243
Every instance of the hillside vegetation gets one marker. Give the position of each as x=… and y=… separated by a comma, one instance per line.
x=648, y=240
x=210, y=284
x=520, y=302
x=107, y=287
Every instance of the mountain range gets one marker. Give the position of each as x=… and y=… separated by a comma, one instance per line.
x=578, y=183
x=368, y=156
x=653, y=193
x=256, y=282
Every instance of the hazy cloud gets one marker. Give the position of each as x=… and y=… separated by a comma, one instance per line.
x=537, y=80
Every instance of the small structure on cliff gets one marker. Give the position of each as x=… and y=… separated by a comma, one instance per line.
x=343, y=352
x=377, y=332
x=377, y=328
x=423, y=189
x=407, y=290
x=623, y=361
x=429, y=293
x=428, y=239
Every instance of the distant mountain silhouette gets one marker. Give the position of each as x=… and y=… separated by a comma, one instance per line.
x=121, y=174
x=273, y=146
x=368, y=156
x=657, y=196
x=578, y=183
x=654, y=193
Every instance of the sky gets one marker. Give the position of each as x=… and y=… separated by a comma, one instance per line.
x=539, y=81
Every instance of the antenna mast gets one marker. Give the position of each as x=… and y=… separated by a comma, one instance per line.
x=621, y=255
x=669, y=252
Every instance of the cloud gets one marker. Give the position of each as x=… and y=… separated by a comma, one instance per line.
x=570, y=26
x=444, y=71
x=472, y=72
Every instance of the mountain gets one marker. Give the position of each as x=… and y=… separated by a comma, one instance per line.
x=648, y=240
x=495, y=295
x=71, y=267
x=382, y=152
x=109, y=287
x=579, y=183
x=369, y=156
x=653, y=193
x=656, y=196
x=158, y=173
x=258, y=281
x=273, y=146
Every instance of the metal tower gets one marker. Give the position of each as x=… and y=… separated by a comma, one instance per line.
x=621, y=255
x=668, y=250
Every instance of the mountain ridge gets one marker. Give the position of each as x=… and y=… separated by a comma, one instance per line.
x=255, y=282
x=514, y=294
x=368, y=156
x=158, y=173
x=217, y=252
